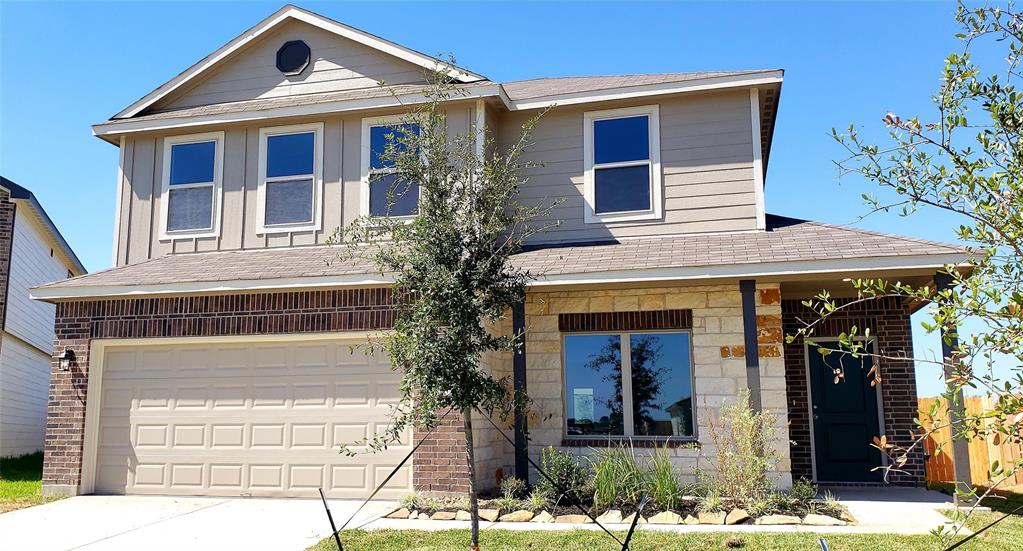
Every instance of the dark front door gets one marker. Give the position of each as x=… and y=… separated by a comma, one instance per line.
x=844, y=418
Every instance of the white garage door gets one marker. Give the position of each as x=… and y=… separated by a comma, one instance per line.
x=234, y=419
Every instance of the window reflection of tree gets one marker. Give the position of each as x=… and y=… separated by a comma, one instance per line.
x=647, y=379
x=608, y=361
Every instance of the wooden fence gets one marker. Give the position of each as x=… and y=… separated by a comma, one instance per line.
x=983, y=452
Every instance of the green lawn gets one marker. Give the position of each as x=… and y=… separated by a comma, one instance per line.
x=1004, y=536
x=21, y=482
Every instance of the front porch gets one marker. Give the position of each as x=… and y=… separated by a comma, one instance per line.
x=705, y=334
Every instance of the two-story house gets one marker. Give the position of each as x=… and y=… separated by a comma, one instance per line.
x=32, y=252
x=214, y=358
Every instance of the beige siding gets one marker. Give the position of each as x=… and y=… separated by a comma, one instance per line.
x=24, y=390
x=337, y=64
x=706, y=160
x=142, y=215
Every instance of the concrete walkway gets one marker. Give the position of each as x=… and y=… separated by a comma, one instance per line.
x=897, y=510
x=133, y=523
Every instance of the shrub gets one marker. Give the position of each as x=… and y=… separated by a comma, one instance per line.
x=568, y=477
x=710, y=502
x=506, y=504
x=745, y=452
x=803, y=491
x=830, y=504
x=662, y=483
x=411, y=502
x=513, y=488
x=537, y=500
x=616, y=476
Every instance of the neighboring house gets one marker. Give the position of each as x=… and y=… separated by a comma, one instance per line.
x=214, y=358
x=32, y=252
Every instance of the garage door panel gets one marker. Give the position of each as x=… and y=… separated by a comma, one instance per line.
x=257, y=420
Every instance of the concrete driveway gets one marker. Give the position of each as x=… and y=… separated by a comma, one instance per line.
x=132, y=523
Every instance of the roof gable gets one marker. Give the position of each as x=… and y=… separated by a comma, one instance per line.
x=203, y=76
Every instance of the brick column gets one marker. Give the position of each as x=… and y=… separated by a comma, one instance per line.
x=65, y=421
x=7, y=211
x=440, y=466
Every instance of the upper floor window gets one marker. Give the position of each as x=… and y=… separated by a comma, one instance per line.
x=289, y=177
x=622, y=164
x=384, y=193
x=629, y=384
x=192, y=170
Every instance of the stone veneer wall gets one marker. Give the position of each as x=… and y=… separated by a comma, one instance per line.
x=889, y=322
x=718, y=359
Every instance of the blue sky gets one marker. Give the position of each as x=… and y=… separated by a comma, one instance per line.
x=65, y=66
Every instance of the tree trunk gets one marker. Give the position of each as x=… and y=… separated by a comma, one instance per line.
x=474, y=508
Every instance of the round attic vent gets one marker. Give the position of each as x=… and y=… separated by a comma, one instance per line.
x=293, y=57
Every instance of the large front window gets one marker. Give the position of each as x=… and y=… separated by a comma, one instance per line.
x=629, y=384
x=622, y=164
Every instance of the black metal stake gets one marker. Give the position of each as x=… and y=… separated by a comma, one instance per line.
x=330, y=517
x=635, y=521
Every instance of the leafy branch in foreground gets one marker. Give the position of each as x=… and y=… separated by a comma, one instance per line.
x=968, y=162
x=454, y=282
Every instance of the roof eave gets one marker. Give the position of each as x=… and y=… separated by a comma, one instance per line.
x=761, y=78
x=778, y=270
x=22, y=195
x=111, y=130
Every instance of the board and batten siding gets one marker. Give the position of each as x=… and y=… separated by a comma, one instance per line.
x=139, y=239
x=706, y=163
x=27, y=340
x=337, y=64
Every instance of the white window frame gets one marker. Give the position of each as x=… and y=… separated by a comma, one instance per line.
x=317, y=177
x=628, y=428
x=218, y=178
x=656, y=210
x=367, y=150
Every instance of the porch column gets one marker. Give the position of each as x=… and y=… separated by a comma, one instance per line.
x=956, y=412
x=519, y=385
x=748, y=289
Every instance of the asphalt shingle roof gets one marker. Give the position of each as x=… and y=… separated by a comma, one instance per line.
x=786, y=240
x=516, y=90
x=556, y=86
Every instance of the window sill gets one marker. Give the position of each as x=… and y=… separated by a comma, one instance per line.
x=183, y=235
x=635, y=442
x=628, y=216
x=285, y=229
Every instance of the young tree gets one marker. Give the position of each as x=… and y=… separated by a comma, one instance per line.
x=453, y=279
x=967, y=160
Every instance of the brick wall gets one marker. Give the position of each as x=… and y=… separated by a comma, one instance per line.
x=77, y=323
x=440, y=466
x=888, y=320
x=6, y=240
